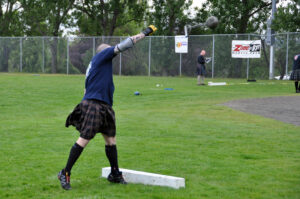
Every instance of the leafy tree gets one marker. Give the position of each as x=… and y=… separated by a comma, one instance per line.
x=10, y=25
x=46, y=18
x=104, y=17
x=287, y=18
x=237, y=16
x=10, y=22
x=170, y=16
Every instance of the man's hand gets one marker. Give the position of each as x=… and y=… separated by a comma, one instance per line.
x=149, y=30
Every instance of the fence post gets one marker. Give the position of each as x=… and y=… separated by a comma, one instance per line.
x=149, y=58
x=94, y=46
x=213, y=58
x=120, y=70
x=21, y=54
x=271, y=68
x=67, y=55
x=180, y=64
x=247, y=72
x=287, y=54
x=43, y=66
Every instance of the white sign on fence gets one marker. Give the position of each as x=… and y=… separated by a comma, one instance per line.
x=246, y=49
x=181, y=44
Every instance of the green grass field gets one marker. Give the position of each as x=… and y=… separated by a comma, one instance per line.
x=222, y=153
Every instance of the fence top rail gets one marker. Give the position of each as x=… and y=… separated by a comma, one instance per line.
x=245, y=34
x=159, y=36
x=288, y=33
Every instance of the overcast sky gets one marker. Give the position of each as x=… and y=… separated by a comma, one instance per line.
x=197, y=3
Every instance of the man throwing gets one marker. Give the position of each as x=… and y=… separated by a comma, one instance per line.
x=94, y=114
x=201, y=69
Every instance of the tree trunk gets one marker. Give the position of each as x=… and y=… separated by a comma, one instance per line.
x=6, y=52
x=77, y=51
x=265, y=53
x=243, y=26
x=54, y=55
x=171, y=24
x=281, y=64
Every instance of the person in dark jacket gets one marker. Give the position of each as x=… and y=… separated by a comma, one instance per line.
x=296, y=72
x=94, y=114
x=201, y=69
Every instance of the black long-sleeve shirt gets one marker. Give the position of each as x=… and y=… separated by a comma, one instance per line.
x=201, y=59
x=296, y=65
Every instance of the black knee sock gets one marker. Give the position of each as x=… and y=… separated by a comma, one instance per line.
x=74, y=155
x=112, y=155
x=296, y=85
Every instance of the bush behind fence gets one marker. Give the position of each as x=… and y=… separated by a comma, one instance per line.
x=153, y=56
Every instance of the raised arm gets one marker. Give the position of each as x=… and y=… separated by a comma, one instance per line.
x=130, y=41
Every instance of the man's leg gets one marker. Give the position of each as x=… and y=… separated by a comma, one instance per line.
x=296, y=86
x=198, y=80
x=75, y=152
x=64, y=174
x=111, y=153
x=112, y=156
x=201, y=80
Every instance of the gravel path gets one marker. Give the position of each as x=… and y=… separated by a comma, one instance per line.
x=286, y=109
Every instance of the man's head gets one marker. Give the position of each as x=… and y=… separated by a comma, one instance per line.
x=202, y=52
x=102, y=47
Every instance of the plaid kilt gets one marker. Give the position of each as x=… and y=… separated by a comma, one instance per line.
x=295, y=75
x=91, y=117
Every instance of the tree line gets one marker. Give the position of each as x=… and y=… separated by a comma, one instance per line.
x=127, y=17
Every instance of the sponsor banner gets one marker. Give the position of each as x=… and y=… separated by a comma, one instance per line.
x=246, y=49
x=181, y=44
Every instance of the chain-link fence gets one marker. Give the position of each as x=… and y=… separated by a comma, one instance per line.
x=153, y=56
